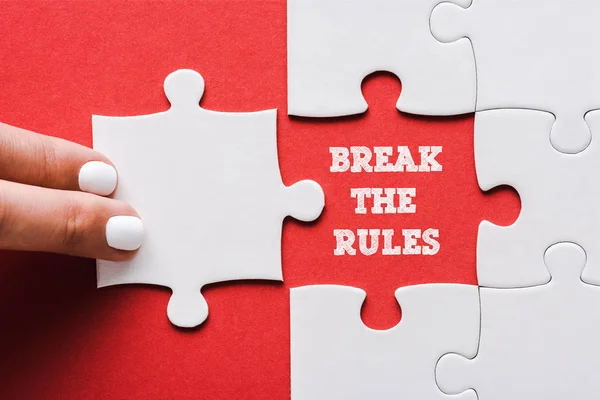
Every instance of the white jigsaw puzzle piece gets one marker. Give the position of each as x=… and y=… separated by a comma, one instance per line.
x=334, y=44
x=208, y=188
x=536, y=343
x=559, y=197
x=532, y=54
x=335, y=356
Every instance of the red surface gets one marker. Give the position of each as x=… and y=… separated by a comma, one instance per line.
x=62, y=338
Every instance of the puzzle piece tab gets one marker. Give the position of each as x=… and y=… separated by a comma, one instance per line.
x=559, y=193
x=208, y=188
x=533, y=54
x=536, y=343
x=335, y=356
x=334, y=44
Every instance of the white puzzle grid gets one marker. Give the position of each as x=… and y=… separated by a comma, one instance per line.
x=528, y=70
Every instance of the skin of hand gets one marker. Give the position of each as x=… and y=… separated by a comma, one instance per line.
x=54, y=198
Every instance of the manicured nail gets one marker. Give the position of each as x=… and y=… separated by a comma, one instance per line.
x=124, y=233
x=98, y=178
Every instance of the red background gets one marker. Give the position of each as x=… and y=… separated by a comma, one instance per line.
x=61, y=62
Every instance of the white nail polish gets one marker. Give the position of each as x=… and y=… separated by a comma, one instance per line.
x=98, y=178
x=124, y=233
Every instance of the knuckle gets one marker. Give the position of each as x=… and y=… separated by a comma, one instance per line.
x=48, y=156
x=74, y=227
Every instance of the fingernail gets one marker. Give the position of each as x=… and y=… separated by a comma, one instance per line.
x=98, y=178
x=124, y=233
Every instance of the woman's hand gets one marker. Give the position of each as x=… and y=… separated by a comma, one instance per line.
x=51, y=199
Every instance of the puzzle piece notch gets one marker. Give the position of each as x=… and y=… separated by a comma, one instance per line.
x=515, y=64
x=335, y=356
x=450, y=372
x=214, y=206
x=184, y=88
x=327, y=61
x=558, y=197
x=566, y=263
x=187, y=308
x=537, y=342
x=306, y=200
x=570, y=133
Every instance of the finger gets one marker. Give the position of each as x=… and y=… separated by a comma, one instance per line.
x=68, y=222
x=39, y=160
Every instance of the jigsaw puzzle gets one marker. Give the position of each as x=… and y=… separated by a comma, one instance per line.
x=335, y=356
x=558, y=197
x=208, y=188
x=532, y=54
x=536, y=343
x=334, y=44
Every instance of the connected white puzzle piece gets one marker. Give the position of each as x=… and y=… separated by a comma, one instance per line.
x=334, y=44
x=536, y=343
x=560, y=197
x=532, y=54
x=335, y=356
x=208, y=188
